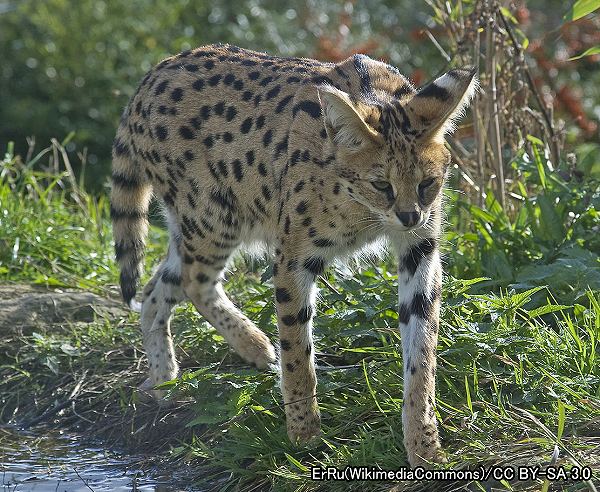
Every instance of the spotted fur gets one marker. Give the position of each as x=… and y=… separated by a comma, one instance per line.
x=317, y=160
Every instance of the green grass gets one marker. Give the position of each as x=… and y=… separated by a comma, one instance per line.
x=518, y=362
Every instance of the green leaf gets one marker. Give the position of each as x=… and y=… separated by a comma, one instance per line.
x=468, y=394
x=581, y=8
x=68, y=349
x=296, y=463
x=548, y=308
x=524, y=297
x=594, y=50
x=561, y=420
x=550, y=221
x=507, y=13
x=535, y=140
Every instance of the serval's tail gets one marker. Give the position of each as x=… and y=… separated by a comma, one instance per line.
x=130, y=198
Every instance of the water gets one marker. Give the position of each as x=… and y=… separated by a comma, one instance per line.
x=58, y=462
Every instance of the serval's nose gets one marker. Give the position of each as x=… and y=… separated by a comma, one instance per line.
x=408, y=219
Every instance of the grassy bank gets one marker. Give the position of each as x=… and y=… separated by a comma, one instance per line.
x=518, y=352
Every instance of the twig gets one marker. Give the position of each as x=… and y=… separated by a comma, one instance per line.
x=494, y=129
x=477, y=125
x=438, y=46
x=549, y=125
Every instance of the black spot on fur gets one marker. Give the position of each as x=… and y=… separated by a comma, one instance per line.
x=281, y=147
x=435, y=91
x=305, y=314
x=282, y=295
x=417, y=253
x=268, y=137
x=177, y=94
x=266, y=192
x=160, y=88
x=229, y=78
x=169, y=277
x=403, y=314
x=420, y=305
x=246, y=125
x=238, y=172
x=208, y=142
x=231, y=113
x=286, y=225
x=198, y=84
x=283, y=103
x=120, y=147
x=186, y=132
x=123, y=181
x=302, y=207
x=323, y=243
x=214, y=80
x=311, y=108
x=289, y=320
x=273, y=92
x=220, y=108
x=202, y=278
x=315, y=265
x=161, y=132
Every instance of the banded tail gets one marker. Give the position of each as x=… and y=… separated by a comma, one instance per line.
x=129, y=201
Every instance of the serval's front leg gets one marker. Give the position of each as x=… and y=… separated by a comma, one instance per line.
x=294, y=280
x=419, y=290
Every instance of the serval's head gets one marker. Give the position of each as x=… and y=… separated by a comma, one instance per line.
x=389, y=149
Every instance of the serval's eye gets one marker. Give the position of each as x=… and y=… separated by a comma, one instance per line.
x=425, y=183
x=382, y=185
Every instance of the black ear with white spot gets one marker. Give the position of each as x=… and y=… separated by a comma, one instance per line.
x=437, y=105
x=344, y=124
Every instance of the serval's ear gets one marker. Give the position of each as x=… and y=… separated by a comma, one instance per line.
x=344, y=123
x=436, y=106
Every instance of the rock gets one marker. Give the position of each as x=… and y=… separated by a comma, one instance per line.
x=25, y=307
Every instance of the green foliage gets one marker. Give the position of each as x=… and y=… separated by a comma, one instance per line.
x=51, y=231
x=550, y=239
x=594, y=50
x=581, y=8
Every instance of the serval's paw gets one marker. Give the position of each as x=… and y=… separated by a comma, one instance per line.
x=147, y=392
x=303, y=423
x=258, y=350
x=426, y=455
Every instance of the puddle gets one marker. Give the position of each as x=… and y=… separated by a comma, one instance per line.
x=58, y=462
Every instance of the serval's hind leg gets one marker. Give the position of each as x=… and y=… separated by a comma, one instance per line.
x=160, y=295
x=202, y=284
